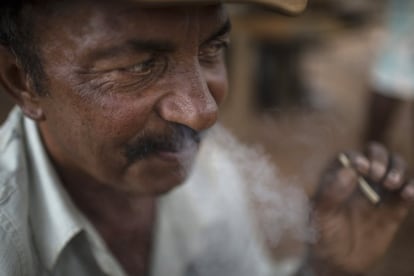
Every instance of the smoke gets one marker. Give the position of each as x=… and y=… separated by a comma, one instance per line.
x=281, y=204
x=239, y=206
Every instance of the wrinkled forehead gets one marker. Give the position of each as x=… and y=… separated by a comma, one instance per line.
x=114, y=11
x=113, y=8
x=123, y=16
x=80, y=31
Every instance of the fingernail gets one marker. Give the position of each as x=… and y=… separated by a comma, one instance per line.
x=378, y=170
x=393, y=179
x=362, y=163
x=408, y=193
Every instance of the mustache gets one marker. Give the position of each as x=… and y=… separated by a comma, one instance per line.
x=176, y=138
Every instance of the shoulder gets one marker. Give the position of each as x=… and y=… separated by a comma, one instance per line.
x=16, y=256
x=15, y=253
x=11, y=263
x=13, y=175
x=12, y=167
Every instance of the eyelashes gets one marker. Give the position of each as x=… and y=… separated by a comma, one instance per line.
x=213, y=51
x=136, y=77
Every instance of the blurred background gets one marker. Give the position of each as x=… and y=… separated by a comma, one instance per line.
x=304, y=88
x=301, y=88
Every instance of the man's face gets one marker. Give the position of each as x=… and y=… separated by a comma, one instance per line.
x=131, y=88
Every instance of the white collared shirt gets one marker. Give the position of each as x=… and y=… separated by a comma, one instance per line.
x=203, y=228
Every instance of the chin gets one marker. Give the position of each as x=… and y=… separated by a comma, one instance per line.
x=158, y=185
x=168, y=184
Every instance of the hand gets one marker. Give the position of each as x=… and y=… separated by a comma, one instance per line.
x=353, y=232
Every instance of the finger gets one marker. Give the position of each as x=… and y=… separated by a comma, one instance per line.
x=395, y=177
x=378, y=157
x=337, y=186
x=359, y=162
x=407, y=193
x=399, y=206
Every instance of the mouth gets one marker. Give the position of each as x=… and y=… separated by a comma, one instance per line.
x=181, y=154
x=180, y=144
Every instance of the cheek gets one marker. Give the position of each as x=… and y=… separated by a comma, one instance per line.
x=100, y=119
x=218, y=84
x=120, y=118
x=99, y=127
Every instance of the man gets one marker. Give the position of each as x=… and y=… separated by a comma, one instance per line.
x=119, y=95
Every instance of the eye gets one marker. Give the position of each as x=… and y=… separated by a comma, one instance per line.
x=213, y=50
x=143, y=68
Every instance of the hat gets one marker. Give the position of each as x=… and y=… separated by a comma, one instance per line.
x=287, y=6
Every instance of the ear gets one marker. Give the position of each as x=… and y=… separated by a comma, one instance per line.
x=15, y=82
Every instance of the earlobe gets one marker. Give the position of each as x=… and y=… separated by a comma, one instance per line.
x=15, y=82
x=30, y=106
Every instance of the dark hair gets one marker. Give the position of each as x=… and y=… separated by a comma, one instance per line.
x=16, y=34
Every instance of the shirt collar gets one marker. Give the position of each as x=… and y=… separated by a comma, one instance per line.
x=54, y=218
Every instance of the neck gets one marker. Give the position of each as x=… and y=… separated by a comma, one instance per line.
x=125, y=223
x=106, y=205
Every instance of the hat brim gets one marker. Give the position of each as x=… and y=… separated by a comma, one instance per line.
x=285, y=6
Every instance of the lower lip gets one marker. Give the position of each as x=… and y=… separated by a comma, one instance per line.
x=174, y=156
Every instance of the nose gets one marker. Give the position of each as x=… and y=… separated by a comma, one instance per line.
x=189, y=100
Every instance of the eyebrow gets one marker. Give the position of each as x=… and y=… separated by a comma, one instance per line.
x=151, y=45
x=224, y=29
x=134, y=45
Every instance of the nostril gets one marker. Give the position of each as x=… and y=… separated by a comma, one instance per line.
x=198, y=113
x=189, y=100
x=209, y=117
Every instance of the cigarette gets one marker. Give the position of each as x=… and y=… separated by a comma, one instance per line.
x=365, y=188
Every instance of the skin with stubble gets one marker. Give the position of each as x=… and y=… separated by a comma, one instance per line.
x=129, y=92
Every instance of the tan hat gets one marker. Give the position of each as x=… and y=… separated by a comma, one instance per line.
x=288, y=6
